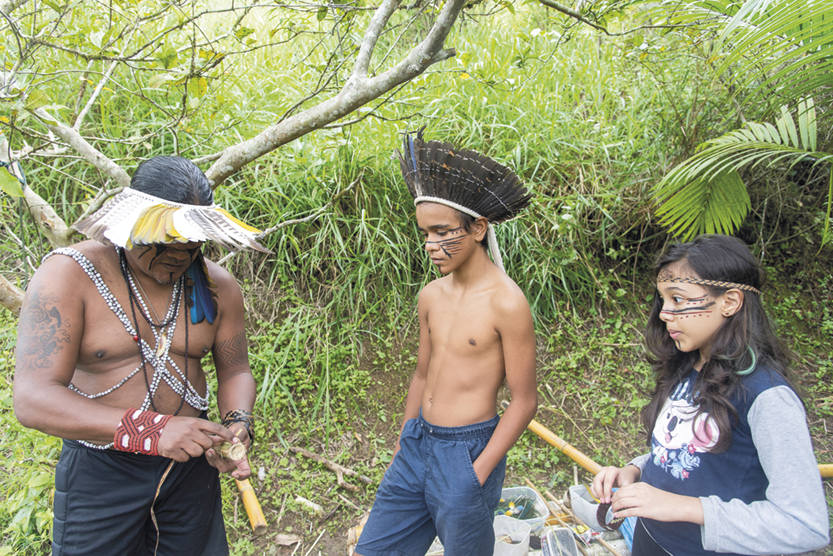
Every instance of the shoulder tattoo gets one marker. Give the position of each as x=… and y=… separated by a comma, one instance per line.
x=231, y=352
x=41, y=331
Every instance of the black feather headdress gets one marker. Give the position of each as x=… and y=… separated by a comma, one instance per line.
x=462, y=179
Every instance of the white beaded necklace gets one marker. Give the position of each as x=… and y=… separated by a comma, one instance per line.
x=179, y=384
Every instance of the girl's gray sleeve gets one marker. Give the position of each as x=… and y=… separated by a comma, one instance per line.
x=639, y=462
x=793, y=518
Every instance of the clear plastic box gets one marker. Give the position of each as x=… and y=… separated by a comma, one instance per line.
x=534, y=513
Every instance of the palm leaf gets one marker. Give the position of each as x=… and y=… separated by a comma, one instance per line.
x=705, y=194
x=765, y=46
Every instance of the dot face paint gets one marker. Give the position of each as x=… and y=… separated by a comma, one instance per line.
x=696, y=307
x=691, y=316
x=452, y=244
x=446, y=242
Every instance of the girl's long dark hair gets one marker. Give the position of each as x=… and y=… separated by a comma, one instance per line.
x=743, y=343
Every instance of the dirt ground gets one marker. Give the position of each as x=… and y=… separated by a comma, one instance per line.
x=326, y=535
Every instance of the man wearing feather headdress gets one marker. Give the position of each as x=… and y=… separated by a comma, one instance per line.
x=111, y=340
x=475, y=332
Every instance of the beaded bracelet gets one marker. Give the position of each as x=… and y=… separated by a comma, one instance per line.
x=139, y=431
x=241, y=416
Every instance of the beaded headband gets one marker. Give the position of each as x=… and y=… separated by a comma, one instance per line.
x=135, y=218
x=717, y=283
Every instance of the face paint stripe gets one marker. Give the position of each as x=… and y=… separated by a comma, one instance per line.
x=699, y=308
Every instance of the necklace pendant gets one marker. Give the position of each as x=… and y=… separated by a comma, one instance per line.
x=161, y=345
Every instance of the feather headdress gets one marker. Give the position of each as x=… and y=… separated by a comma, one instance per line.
x=462, y=179
x=135, y=218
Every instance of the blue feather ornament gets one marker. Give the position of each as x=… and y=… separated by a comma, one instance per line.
x=202, y=303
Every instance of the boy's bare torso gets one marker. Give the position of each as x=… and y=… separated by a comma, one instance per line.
x=466, y=366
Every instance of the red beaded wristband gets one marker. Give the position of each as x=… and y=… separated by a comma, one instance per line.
x=139, y=432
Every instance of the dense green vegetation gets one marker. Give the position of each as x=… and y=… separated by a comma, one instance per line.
x=591, y=122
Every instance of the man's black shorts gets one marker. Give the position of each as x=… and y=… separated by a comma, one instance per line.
x=103, y=501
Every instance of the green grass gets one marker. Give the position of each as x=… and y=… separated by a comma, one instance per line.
x=588, y=122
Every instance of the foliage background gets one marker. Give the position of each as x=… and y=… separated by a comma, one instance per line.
x=591, y=122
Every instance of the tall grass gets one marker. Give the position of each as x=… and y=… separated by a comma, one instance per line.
x=582, y=125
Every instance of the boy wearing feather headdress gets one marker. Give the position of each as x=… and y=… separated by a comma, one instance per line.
x=110, y=345
x=475, y=331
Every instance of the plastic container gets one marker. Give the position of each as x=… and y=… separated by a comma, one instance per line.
x=534, y=509
x=518, y=532
x=585, y=507
x=559, y=541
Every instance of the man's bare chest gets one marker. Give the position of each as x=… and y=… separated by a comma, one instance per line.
x=111, y=336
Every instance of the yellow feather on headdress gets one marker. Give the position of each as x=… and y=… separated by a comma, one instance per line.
x=155, y=225
x=135, y=218
x=243, y=225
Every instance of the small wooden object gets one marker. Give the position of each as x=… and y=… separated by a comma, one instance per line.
x=234, y=452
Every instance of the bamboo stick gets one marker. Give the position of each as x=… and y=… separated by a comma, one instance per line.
x=253, y=509
x=541, y=496
x=566, y=448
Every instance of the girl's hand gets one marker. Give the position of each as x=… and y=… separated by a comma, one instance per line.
x=643, y=500
x=610, y=477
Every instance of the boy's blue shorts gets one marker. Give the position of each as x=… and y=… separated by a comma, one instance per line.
x=431, y=490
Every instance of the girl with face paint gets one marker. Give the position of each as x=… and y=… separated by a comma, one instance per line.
x=731, y=467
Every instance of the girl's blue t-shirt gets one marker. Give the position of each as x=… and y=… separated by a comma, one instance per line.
x=680, y=461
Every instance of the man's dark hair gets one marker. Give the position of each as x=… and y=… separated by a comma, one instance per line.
x=173, y=178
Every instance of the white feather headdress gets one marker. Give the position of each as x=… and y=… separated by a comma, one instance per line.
x=135, y=218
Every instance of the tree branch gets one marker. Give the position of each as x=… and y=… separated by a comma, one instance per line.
x=52, y=225
x=45, y=217
x=578, y=17
x=90, y=153
x=371, y=37
x=77, y=125
x=11, y=297
x=8, y=6
x=356, y=92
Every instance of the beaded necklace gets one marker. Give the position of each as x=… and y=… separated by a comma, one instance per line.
x=178, y=381
x=162, y=345
x=162, y=338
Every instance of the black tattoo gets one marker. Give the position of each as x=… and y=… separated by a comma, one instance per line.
x=41, y=331
x=231, y=352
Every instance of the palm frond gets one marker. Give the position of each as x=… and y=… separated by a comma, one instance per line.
x=764, y=46
x=705, y=194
